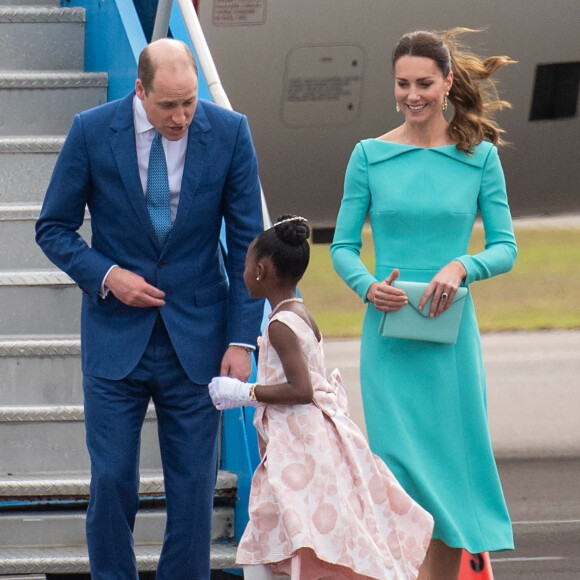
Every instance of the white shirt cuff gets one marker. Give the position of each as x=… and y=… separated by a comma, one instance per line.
x=104, y=290
x=247, y=347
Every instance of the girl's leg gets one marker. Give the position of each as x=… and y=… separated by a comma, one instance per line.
x=258, y=572
x=441, y=562
x=296, y=566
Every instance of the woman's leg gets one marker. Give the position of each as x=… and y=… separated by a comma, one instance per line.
x=441, y=562
x=258, y=572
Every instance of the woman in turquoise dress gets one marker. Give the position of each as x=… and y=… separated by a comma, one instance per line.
x=422, y=186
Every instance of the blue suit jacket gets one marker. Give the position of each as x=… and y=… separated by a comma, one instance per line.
x=207, y=304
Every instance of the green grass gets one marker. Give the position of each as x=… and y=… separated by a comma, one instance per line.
x=541, y=292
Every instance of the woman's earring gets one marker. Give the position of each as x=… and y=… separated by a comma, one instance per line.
x=397, y=107
x=257, y=278
x=444, y=105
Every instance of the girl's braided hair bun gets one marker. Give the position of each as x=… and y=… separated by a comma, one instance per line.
x=292, y=230
x=286, y=243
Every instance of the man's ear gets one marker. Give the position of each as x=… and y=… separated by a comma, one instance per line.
x=139, y=89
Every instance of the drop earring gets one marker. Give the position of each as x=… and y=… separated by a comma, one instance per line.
x=397, y=108
x=444, y=105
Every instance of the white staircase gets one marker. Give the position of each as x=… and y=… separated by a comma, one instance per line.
x=44, y=466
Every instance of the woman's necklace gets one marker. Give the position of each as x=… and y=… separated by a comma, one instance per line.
x=277, y=307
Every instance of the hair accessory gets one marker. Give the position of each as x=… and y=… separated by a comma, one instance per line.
x=295, y=218
x=397, y=108
x=444, y=105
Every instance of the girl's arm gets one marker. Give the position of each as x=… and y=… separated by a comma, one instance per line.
x=298, y=388
x=229, y=393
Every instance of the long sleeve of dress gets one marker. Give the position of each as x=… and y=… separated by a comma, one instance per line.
x=345, y=248
x=500, y=244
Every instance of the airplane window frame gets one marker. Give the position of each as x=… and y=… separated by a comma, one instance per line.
x=556, y=90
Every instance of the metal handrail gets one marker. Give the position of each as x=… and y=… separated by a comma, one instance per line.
x=162, y=16
x=204, y=58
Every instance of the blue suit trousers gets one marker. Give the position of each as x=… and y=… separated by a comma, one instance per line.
x=187, y=429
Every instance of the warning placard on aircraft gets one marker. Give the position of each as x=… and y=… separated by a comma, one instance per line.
x=238, y=12
x=322, y=85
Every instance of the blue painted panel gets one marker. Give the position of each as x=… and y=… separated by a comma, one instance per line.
x=113, y=41
x=115, y=38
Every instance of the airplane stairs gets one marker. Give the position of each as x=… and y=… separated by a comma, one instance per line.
x=44, y=467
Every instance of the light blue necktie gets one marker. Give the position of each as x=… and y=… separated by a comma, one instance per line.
x=158, y=197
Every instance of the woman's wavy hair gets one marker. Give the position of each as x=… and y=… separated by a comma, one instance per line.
x=474, y=93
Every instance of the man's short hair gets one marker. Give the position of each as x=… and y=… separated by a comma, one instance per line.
x=147, y=68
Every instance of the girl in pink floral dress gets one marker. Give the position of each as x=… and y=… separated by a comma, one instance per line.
x=322, y=505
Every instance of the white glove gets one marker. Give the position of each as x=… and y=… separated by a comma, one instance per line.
x=229, y=393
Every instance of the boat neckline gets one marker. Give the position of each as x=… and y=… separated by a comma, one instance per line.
x=410, y=145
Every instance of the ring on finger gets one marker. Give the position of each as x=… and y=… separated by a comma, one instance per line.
x=444, y=296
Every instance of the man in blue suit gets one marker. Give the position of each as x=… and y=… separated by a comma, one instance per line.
x=161, y=313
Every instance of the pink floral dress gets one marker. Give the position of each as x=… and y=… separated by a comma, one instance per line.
x=322, y=505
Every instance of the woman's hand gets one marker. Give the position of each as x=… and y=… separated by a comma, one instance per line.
x=443, y=288
x=385, y=297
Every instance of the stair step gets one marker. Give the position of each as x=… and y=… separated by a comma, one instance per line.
x=76, y=485
x=52, y=439
x=25, y=294
x=30, y=2
x=70, y=486
x=42, y=13
x=17, y=234
x=41, y=38
x=60, y=529
x=76, y=560
x=45, y=370
x=34, y=278
x=40, y=347
x=27, y=96
x=24, y=577
x=26, y=165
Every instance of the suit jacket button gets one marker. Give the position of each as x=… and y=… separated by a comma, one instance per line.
x=160, y=264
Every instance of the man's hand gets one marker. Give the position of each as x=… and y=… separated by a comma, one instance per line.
x=237, y=363
x=132, y=289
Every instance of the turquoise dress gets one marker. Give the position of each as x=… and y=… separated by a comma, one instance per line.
x=425, y=403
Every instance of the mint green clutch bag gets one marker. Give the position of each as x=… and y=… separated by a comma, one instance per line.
x=415, y=324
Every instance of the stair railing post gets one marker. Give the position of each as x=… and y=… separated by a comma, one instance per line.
x=162, y=15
